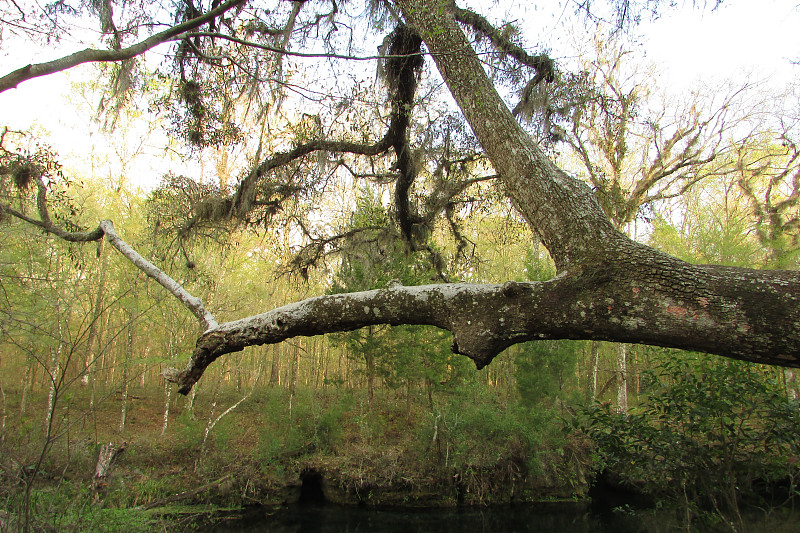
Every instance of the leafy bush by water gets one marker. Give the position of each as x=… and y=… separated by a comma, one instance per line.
x=711, y=435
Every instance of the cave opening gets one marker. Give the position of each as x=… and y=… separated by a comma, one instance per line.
x=311, y=489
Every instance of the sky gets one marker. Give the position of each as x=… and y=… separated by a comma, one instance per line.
x=690, y=44
x=759, y=37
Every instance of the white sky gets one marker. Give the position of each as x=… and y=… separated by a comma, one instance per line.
x=742, y=37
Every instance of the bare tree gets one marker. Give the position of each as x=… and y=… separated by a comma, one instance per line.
x=769, y=175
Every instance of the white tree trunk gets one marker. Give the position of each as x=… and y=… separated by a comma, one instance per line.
x=168, y=395
x=622, y=378
x=791, y=385
x=125, y=379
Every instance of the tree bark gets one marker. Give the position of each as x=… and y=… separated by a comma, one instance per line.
x=644, y=297
x=105, y=460
x=594, y=354
x=608, y=287
x=622, y=378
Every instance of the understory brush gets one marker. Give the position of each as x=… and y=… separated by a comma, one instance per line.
x=712, y=438
x=462, y=444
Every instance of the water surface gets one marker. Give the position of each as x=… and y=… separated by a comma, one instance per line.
x=329, y=518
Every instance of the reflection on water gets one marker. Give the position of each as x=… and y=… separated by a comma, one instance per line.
x=560, y=518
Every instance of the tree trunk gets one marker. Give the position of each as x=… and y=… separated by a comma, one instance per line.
x=608, y=287
x=594, y=352
x=54, y=373
x=791, y=386
x=125, y=364
x=105, y=460
x=622, y=378
x=369, y=360
x=190, y=404
x=97, y=309
x=26, y=385
x=275, y=373
x=167, y=396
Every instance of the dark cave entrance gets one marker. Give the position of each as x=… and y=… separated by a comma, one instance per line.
x=311, y=489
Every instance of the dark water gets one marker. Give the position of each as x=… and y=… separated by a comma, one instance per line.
x=560, y=518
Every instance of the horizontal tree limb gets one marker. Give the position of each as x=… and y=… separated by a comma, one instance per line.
x=644, y=298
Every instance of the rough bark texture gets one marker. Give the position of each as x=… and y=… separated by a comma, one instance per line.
x=649, y=298
x=105, y=460
x=608, y=288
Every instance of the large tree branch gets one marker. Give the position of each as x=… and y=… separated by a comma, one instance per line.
x=193, y=303
x=648, y=298
x=402, y=61
x=545, y=69
x=562, y=210
x=89, y=55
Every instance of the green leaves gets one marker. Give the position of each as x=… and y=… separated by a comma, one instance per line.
x=708, y=431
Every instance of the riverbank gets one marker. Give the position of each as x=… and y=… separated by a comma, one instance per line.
x=464, y=448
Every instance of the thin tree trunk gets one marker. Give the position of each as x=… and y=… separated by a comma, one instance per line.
x=370, y=360
x=295, y=369
x=275, y=373
x=622, y=378
x=190, y=405
x=168, y=395
x=54, y=373
x=125, y=363
x=26, y=385
x=791, y=385
x=4, y=414
x=96, y=312
x=594, y=350
x=167, y=390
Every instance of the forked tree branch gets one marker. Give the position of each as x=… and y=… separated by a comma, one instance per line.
x=106, y=229
x=90, y=55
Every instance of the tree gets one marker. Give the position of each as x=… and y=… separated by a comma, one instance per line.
x=372, y=260
x=769, y=176
x=633, y=155
x=607, y=287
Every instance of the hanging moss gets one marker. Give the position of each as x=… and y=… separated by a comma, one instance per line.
x=23, y=173
x=401, y=69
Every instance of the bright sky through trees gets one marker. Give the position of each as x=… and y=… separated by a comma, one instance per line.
x=691, y=44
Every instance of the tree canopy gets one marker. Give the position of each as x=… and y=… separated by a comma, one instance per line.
x=274, y=85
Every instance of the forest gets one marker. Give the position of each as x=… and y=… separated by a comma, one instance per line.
x=459, y=272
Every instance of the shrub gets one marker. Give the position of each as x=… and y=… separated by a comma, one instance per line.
x=710, y=435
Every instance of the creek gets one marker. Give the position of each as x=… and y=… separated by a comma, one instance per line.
x=537, y=518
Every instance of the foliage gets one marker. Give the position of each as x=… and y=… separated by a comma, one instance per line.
x=70, y=506
x=373, y=259
x=711, y=434
x=487, y=446
x=308, y=425
x=544, y=370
